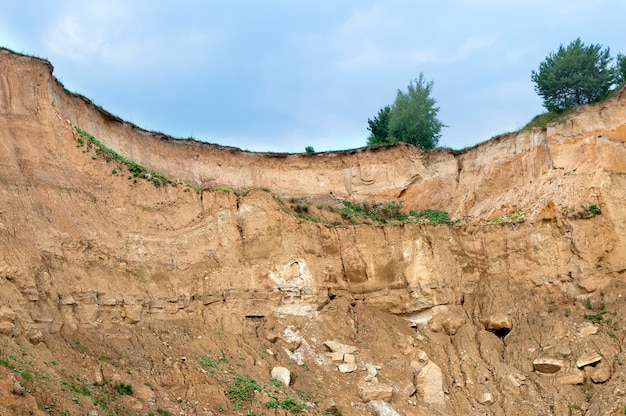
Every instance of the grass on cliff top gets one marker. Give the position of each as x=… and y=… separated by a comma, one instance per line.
x=542, y=120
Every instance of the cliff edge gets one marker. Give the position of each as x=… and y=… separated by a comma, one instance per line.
x=121, y=295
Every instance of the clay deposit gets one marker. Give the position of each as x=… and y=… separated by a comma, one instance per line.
x=213, y=296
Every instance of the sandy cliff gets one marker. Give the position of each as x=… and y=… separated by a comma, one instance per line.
x=183, y=291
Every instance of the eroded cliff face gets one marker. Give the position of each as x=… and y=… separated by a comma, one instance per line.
x=182, y=294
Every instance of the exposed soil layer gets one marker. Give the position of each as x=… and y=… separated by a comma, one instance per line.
x=125, y=294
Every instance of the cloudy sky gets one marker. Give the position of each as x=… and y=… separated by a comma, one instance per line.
x=279, y=75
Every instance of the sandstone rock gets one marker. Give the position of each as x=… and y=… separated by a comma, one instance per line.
x=16, y=387
x=420, y=362
x=416, y=366
x=588, y=359
x=290, y=343
x=272, y=336
x=6, y=328
x=547, y=365
x=486, y=399
x=34, y=336
x=499, y=323
x=106, y=300
x=513, y=380
x=421, y=356
x=588, y=330
x=374, y=391
x=67, y=300
x=281, y=374
x=409, y=389
x=371, y=369
x=347, y=367
x=288, y=338
x=573, y=377
x=336, y=356
x=132, y=313
x=144, y=393
x=429, y=384
x=382, y=408
x=601, y=374
x=348, y=358
x=447, y=323
x=6, y=314
x=565, y=352
x=338, y=347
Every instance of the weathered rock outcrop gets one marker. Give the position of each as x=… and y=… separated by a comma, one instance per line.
x=187, y=292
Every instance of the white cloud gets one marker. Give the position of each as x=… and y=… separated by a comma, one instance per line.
x=113, y=35
x=380, y=38
x=87, y=33
x=473, y=44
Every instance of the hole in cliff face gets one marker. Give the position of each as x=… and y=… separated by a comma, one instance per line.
x=499, y=323
x=501, y=332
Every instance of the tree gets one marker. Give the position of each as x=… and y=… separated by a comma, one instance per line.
x=411, y=119
x=620, y=69
x=574, y=75
x=379, y=127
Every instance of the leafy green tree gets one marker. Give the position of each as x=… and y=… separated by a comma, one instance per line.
x=620, y=69
x=411, y=119
x=378, y=127
x=574, y=75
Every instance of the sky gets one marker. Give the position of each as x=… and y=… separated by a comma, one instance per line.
x=280, y=75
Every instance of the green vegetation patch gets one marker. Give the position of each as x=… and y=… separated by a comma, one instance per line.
x=124, y=389
x=433, y=216
x=585, y=211
x=242, y=389
x=542, y=120
x=211, y=365
x=17, y=370
x=290, y=404
x=598, y=317
x=382, y=212
x=135, y=169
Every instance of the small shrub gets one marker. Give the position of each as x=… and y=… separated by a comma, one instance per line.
x=242, y=389
x=124, y=389
x=211, y=364
x=309, y=149
x=375, y=211
x=585, y=211
x=433, y=217
x=594, y=209
x=598, y=317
